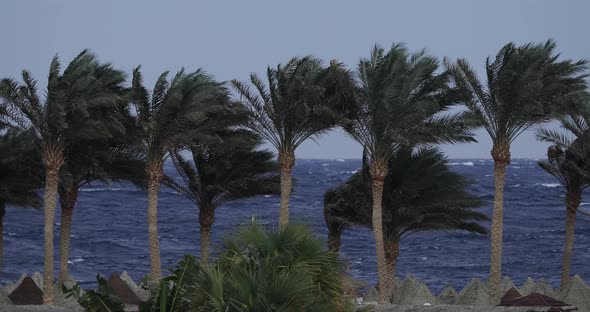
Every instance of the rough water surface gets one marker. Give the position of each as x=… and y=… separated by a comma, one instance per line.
x=109, y=232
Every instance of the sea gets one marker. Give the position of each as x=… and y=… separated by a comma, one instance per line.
x=109, y=231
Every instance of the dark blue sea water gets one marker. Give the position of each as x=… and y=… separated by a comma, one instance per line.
x=109, y=232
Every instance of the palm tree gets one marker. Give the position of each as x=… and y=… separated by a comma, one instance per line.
x=263, y=269
x=87, y=162
x=401, y=96
x=80, y=104
x=20, y=168
x=177, y=112
x=222, y=172
x=524, y=85
x=569, y=162
x=420, y=194
x=301, y=100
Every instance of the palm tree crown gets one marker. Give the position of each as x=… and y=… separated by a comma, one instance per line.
x=301, y=100
x=80, y=104
x=221, y=172
x=401, y=97
x=526, y=85
x=569, y=162
x=177, y=112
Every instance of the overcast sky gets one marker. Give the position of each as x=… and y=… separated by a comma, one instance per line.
x=231, y=39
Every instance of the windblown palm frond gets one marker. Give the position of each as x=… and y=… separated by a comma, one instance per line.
x=420, y=194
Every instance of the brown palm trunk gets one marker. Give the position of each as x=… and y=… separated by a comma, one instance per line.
x=155, y=173
x=391, y=255
x=286, y=163
x=53, y=161
x=67, y=201
x=206, y=219
x=572, y=202
x=501, y=156
x=334, y=242
x=379, y=170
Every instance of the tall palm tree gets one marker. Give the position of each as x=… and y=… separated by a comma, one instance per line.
x=401, y=96
x=569, y=162
x=87, y=162
x=20, y=175
x=220, y=172
x=300, y=100
x=176, y=113
x=79, y=104
x=524, y=85
x=420, y=194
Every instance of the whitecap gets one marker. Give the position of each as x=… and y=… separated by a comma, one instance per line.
x=11, y=234
x=551, y=185
x=267, y=196
x=467, y=163
x=75, y=260
x=516, y=185
x=100, y=189
x=323, y=165
x=339, y=160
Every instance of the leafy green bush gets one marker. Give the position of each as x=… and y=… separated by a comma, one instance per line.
x=258, y=269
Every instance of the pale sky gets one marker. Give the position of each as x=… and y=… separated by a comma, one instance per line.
x=231, y=39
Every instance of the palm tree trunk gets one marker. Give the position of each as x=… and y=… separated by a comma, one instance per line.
x=155, y=173
x=286, y=163
x=53, y=161
x=67, y=201
x=501, y=156
x=391, y=255
x=379, y=170
x=572, y=201
x=334, y=242
x=206, y=219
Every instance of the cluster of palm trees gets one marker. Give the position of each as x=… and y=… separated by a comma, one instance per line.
x=89, y=125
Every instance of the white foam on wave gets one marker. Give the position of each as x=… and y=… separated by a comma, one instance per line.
x=467, y=163
x=75, y=260
x=100, y=189
x=551, y=185
x=339, y=160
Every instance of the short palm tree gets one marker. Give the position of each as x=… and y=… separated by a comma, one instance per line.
x=401, y=96
x=524, y=86
x=176, y=113
x=80, y=104
x=269, y=270
x=420, y=194
x=87, y=162
x=569, y=162
x=20, y=179
x=221, y=172
x=300, y=100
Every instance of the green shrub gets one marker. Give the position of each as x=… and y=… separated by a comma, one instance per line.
x=258, y=269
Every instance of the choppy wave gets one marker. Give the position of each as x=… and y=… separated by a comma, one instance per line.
x=467, y=163
x=550, y=185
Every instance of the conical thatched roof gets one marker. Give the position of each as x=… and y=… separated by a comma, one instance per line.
x=448, y=295
x=577, y=294
x=534, y=300
x=8, y=289
x=475, y=293
x=507, y=284
x=510, y=295
x=27, y=293
x=527, y=287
